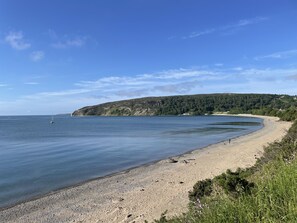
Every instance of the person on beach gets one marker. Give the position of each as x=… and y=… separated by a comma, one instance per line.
x=229, y=141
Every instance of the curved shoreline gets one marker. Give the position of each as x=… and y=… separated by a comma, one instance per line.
x=119, y=172
x=145, y=192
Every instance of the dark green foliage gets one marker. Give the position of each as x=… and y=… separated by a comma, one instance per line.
x=289, y=114
x=201, y=188
x=285, y=150
x=283, y=106
x=233, y=183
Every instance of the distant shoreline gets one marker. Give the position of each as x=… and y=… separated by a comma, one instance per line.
x=126, y=191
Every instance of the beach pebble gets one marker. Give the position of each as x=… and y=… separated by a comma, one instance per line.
x=117, y=200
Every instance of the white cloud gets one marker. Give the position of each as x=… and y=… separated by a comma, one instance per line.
x=278, y=55
x=245, y=22
x=37, y=56
x=168, y=82
x=68, y=43
x=57, y=93
x=237, y=68
x=169, y=77
x=16, y=41
x=31, y=83
x=175, y=81
x=292, y=77
x=197, y=34
x=180, y=88
x=227, y=29
x=184, y=73
x=3, y=85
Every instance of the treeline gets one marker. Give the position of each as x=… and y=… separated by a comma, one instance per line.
x=283, y=106
x=288, y=114
x=233, y=103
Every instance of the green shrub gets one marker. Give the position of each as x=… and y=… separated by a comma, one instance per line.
x=233, y=184
x=201, y=188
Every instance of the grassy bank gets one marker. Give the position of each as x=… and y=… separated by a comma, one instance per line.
x=266, y=192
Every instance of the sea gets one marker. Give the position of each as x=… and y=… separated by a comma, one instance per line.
x=38, y=157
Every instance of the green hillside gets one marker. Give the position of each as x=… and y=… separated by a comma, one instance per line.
x=263, y=104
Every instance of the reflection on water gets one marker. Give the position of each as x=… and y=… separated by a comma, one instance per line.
x=238, y=123
x=37, y=157
x=206, y=130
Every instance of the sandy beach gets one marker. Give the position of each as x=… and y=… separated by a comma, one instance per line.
x=144, y=193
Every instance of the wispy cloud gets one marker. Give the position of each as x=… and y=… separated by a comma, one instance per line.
x=237, y=68
x=76, y=42
x=278, y=55
x=16, y=41
x=180, y=88
x=292, y=77
x=170, y=77
x=245, y=22
x=212, y=79
x=3, y=85
x=176, y=81
x=67, y=40
x=37, y=56
x=57, y=93
x=31, y=83
x=200, y=33
x=229, y=28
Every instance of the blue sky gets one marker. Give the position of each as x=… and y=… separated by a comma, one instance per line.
x=57, y=56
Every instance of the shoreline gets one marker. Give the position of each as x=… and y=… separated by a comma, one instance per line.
x=120, y=172
x=133, y=195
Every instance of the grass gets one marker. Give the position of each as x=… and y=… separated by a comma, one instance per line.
x=266, y=192
x=273, y=200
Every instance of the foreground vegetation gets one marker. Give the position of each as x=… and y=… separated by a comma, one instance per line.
x=266, y=192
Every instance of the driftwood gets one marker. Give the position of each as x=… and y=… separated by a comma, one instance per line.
x=171, y=160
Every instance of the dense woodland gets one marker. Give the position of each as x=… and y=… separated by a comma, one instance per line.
x=283, y=106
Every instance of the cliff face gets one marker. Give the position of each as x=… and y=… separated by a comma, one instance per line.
x=135, y=107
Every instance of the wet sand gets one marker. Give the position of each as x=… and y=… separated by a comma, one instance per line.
x=144, y=193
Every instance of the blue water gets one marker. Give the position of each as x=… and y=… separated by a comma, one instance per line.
x=37, y=157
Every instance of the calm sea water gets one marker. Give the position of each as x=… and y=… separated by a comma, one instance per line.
x=37, y=157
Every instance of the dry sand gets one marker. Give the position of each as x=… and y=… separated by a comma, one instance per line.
x=144, y=193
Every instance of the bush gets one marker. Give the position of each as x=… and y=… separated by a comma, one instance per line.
x=201, y=188
x=233, y=184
